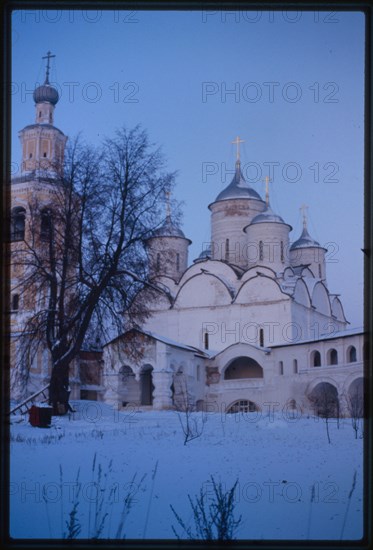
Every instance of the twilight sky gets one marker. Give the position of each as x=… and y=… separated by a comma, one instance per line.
x=290, y=84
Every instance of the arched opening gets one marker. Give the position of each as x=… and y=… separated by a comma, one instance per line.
x=324, y=398
x=177, y=262
x=260, y=250
x=243, y=367
x=281, y=367
x=242, y=406
x=146, y=385
x=227, y=249
x=351, y=354
x=355, y=399
x=315, y=359
x=282, y=252
x=46, y=225
x=206, y=340
x=18, y=224
x=261, y=337
x=128, y=387
x=295, y=366
x=332, y=357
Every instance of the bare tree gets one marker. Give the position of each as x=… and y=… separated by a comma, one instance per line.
x=192, y=423
x=355, y=407
x=326, y=403
x=83, y=259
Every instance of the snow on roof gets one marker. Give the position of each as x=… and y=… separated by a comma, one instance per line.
x=163, y=339
x=338, y=334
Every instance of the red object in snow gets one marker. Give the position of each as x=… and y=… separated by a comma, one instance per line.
x=40, y=417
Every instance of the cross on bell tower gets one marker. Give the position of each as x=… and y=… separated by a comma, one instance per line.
x=48, y=57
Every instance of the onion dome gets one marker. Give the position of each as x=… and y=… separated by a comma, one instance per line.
x=205, y=255
x=168, y=229
x=268, y=216
x=46, y=93
x=238, y=188
x=305, y=241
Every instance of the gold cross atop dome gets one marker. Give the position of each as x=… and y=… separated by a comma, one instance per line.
x=48, y=58
x=304, y=209
x=168, y=203
x=267, y=179
x=237, y=142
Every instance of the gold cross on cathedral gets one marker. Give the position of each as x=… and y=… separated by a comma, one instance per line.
x=48, y=58
x=168, y=203
x=237, y=142
x=304, y=209
x=267, y=179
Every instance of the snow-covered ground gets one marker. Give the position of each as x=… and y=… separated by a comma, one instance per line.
x=292, y=484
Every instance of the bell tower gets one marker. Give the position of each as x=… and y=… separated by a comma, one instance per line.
x=43, y=144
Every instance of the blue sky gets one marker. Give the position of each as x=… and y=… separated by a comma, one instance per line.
x=289, y=83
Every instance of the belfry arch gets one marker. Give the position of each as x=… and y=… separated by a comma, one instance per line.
x=243, y=367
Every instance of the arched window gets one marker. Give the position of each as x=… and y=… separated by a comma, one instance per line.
x=243, y=406
x=206, y=340
x=315, y=359
x=295, y=366
x=282, y=251
x=46, y=225
x=18, y=224
x=281, y=367
x=39, y=114
x=320, y=271
x=227, y=249
x=332, y=357
x=260, y=250
x=198, y=374
x=15, y=302
x=351, y=354
x=261, y=337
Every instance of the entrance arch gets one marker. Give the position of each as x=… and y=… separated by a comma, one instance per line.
x=243, y=367
x=324, y=398
x=146, y=385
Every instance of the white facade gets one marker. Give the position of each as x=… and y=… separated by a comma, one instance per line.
x=250, y=314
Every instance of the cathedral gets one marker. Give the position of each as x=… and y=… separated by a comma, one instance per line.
x=250, y=325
